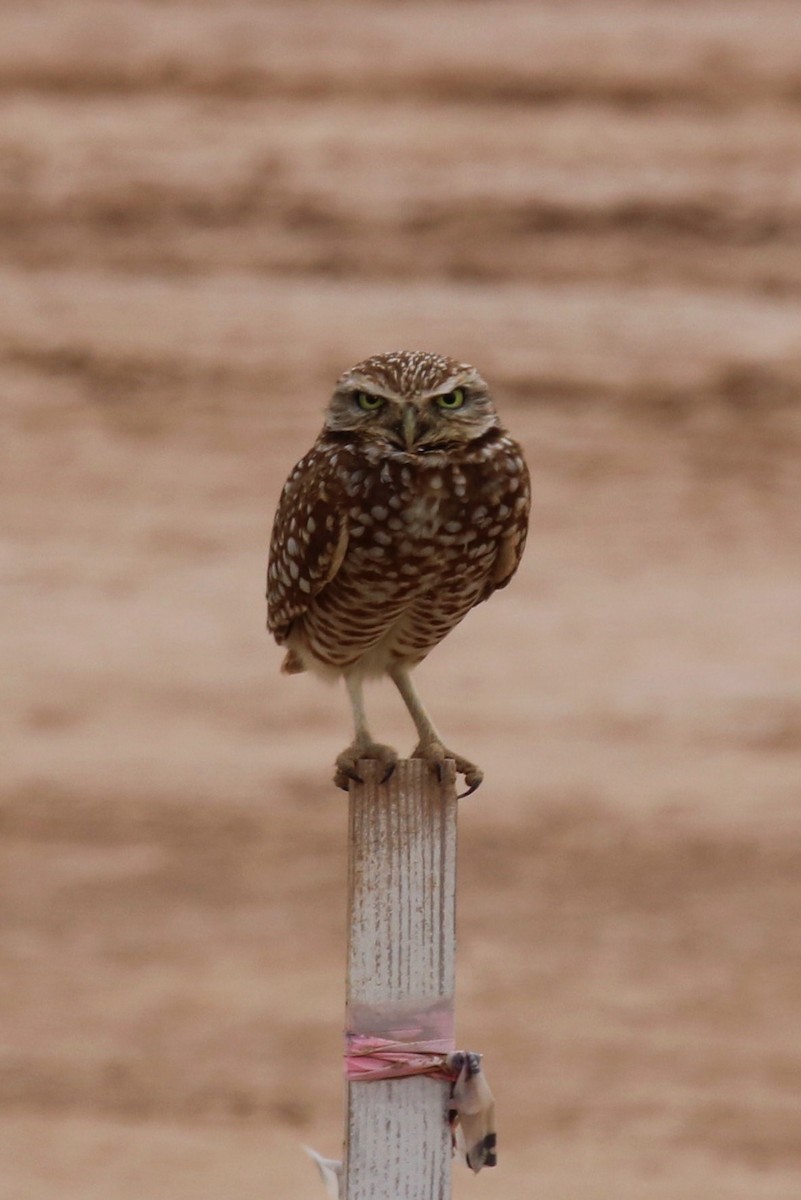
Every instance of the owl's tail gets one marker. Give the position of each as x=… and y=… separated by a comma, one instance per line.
x=292, y=664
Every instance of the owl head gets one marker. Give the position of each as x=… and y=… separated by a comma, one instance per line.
x=409, y=402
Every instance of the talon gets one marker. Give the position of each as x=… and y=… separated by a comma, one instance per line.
x=473, y=777
x=347, y=762
x=438, y=755
x=472, y=788
x=343, y=777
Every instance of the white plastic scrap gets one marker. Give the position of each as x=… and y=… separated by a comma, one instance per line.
x=330, y=1172
x=471, y=1112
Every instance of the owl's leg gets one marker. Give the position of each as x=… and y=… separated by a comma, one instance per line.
x=431, y=747
x=362, y=745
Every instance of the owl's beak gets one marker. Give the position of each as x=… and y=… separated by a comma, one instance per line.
x=410, y=426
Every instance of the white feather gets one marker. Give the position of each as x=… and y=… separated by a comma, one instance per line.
x=330, y=1172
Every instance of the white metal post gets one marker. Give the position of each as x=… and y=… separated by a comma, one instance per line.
x=401, y=958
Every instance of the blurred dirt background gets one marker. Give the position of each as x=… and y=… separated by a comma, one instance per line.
x=207, y=211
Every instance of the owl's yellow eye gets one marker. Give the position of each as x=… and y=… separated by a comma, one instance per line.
x=451, y=400
x=366, y=402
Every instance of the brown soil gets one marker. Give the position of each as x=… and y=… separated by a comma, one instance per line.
x=206, y=212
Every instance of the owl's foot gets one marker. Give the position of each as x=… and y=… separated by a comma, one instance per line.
x=348, y=762
x=437, y=754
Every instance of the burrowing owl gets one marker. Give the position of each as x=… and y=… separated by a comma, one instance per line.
x=410, y=508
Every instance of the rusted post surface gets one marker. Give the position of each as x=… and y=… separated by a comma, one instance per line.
x=401, y=959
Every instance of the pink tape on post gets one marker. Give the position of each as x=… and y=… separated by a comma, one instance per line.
x=368, y=1057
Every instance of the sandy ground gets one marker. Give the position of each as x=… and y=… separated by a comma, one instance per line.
x=207, y=211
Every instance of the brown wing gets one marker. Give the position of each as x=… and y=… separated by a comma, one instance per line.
x=514, y=513
x=308, y=543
